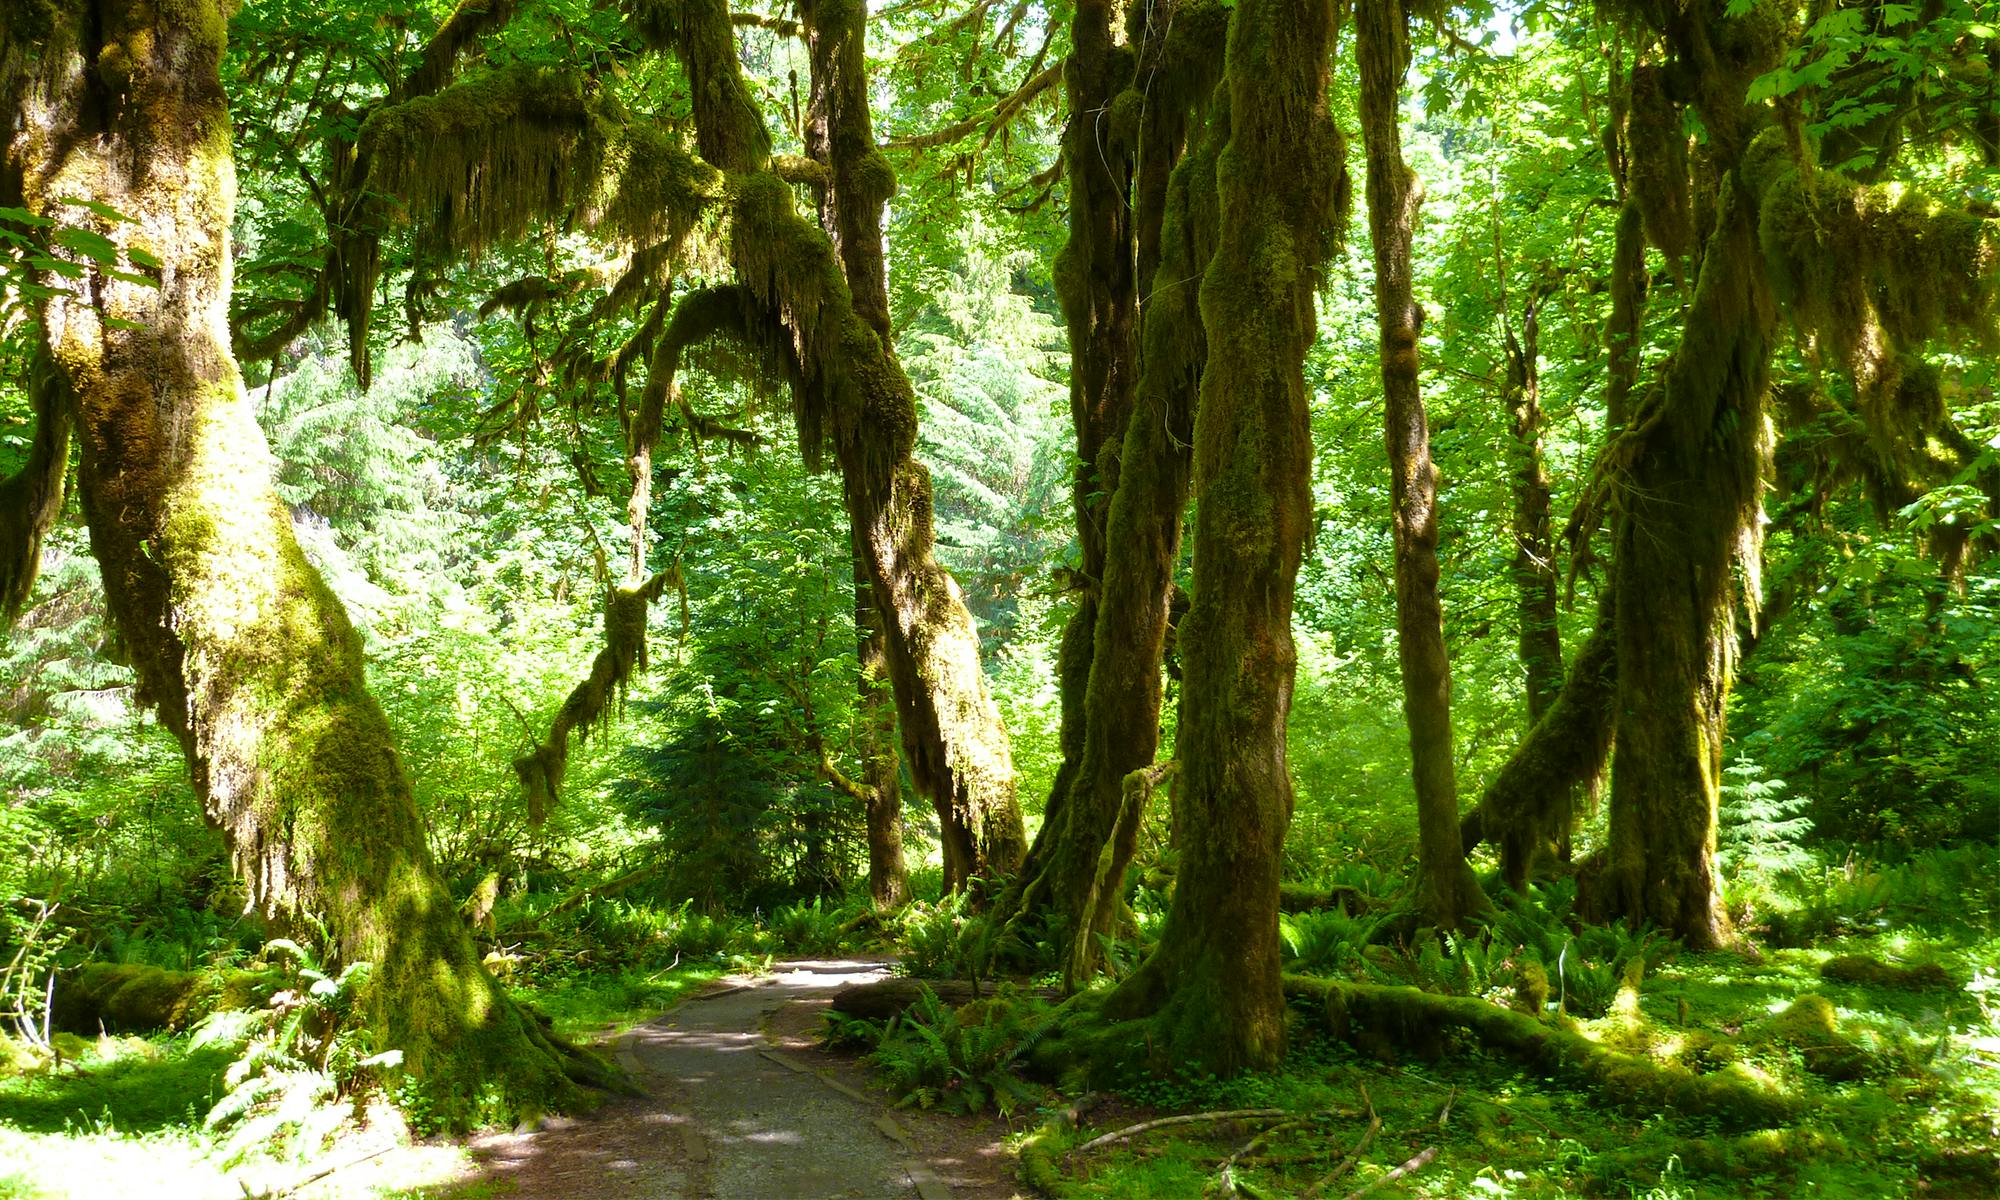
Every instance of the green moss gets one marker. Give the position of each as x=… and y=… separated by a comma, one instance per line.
x=477, y=163
x=1657, y=168
x=658, y=192
x=1862, y=969
x=1809, y=1026
x=1401, y=1018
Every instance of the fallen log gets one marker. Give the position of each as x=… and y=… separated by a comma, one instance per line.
x=1380, y=1020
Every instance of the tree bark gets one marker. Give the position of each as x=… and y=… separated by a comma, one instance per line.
x=1098, y=290
x=1213, y=981
x=881, y=772
x=850, y=392
x=1447, y=891
x=1117, y=717
x=237, y=642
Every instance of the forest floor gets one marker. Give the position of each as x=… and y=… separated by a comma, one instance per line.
x=740, y=1104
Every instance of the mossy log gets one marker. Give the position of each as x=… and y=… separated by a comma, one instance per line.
x=889, y=997
x=1810, y=1026
x=133, y=998
x=1381, y=1019
x=1863, y=969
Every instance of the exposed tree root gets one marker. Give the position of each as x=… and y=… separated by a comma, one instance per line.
x=1379, y=1018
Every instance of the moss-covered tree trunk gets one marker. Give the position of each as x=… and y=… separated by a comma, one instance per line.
x=237, y=642
x=822, y=309
x=1077, y=871
x=31, y=499
x=1447, y=891
x=1538, y=640
x=1684, y=522
x=1280, y=185
x=875, y=729
x=1687, y=505
x=1097, y=288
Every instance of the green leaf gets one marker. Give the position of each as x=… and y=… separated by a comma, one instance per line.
x=21, y=216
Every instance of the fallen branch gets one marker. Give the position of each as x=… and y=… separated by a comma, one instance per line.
x=1354, y=1155
x=1227, y=1171
x=1234, y=1114
x=1409, y=1168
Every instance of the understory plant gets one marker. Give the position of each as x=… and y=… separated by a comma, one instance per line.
x=303, y=1068
x=935, y=1056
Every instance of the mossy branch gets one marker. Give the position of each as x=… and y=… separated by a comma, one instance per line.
x=590, y=702
x=1380, y=1018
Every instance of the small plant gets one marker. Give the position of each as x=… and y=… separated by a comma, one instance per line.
x=842, y=1031
x=1758, y=839
x=938, y=938
x=933, y=1057
x=1323, y=942
x=808, y=928
x=300, y=1057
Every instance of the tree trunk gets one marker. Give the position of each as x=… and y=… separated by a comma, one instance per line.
x=1117, y=716
x=822, y=311
x=31, y=499
x=1688, y=510
x=1281, y=190
x=1539, y=638
x=1685, y=521
x=875, y=726
x=1447, y=891
x=1097, y=287
x=237, y=642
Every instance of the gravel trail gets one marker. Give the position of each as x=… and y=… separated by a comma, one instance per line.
x=727, y=1116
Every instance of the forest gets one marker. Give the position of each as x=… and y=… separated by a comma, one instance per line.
x=999, y=598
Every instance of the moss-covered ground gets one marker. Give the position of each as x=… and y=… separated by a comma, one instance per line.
x=1908, y=1106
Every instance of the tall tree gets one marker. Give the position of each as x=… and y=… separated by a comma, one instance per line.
x=820, y=311
x=1281, y=190
x=1160, y=226
x=119, y=128
x=1446, y=889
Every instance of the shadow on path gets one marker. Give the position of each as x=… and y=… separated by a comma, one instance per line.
x=725, y=1116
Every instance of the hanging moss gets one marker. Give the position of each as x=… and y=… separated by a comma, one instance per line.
x=477, y=163
x=1843, y=256
x=657, y=192
x=439, y=60
x=592, y=703
x=1657, y=172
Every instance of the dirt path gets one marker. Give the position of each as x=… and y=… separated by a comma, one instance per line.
x=736, y=1112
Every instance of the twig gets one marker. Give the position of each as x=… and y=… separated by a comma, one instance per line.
x=1234, y=1114
x=1411, y=1167
x=1227, y=1171
x=1444, y=1114
x=1354, y=1155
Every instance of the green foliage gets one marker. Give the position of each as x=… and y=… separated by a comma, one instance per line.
x=938, y=937
x=300, y=1057
x=1323, y=942
x=1760, y=834
x=933, y=1056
